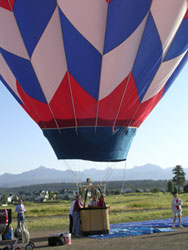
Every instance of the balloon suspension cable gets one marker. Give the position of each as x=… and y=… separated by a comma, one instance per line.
x=77, y=182
x=123, y=183
x=106, y=180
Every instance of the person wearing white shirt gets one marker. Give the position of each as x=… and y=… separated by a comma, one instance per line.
x=93, y=202
x=20, y=209
x=176, y=206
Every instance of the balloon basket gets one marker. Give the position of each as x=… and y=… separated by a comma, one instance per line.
x=94, y=221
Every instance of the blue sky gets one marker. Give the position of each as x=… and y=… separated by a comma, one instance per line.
x=162, y=139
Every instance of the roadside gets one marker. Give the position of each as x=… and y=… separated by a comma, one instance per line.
x=157, y=241
x=177, y=239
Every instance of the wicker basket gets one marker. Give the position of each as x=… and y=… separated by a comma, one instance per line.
x=94, y=221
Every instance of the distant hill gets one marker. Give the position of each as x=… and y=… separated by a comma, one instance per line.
x=44, y=175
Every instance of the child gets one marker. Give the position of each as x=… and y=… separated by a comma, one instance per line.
x=176, y=209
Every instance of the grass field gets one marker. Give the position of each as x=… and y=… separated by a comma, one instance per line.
x=123, y=208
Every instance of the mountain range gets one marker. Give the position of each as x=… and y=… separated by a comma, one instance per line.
x=44, y=175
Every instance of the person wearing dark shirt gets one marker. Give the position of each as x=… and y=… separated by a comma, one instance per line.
x=76, y=216
x=101, y=202
x=71, y=217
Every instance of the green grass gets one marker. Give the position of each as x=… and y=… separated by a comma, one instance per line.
x=123, y=208
x=140, y=207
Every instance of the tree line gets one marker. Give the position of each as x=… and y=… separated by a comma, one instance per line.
x=176, y=184
x=178, y=181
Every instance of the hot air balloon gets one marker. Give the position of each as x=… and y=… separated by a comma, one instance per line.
x=89, y=72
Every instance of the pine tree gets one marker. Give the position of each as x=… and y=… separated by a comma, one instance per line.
x=170, y=186
x=179, y=177
x=4, y=199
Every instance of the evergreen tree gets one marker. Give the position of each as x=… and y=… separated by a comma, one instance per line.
x=170, y=186
x=4, y=199
x=179, y=177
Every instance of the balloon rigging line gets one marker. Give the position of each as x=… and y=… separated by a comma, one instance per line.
x=73, y=106
x=18, y=96
x=121, y=102
x=37, y=79
x=73, y=173
x=97, y=111
x=163, y=56
x=124, y=173
x=14, y=75
x=69, y=82
x=108, y=174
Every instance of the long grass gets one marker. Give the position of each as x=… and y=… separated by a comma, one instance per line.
x=123, y=208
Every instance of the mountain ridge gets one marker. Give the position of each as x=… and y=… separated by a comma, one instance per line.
x=43, y=175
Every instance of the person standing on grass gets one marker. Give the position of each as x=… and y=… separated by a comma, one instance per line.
x=76, y=216
x=176, y=209
x=20, y=209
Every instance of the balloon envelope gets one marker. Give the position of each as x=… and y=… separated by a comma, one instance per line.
x=89, y=72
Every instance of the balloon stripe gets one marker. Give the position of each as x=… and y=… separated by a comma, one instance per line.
x=32, y=18
x=83, y=60
x=148, y=58
x=123, y=19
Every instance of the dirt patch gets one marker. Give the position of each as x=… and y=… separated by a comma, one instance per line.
x=177, y=239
